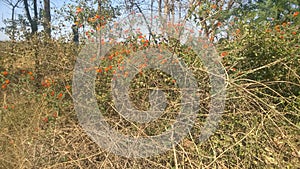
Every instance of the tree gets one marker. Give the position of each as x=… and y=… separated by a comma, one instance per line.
x=13, y=4
x=87, y=15
x=32, y=21
x=47, y=18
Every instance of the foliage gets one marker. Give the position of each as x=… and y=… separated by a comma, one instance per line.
x=266, y=54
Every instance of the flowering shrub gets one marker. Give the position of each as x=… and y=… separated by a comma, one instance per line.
x=268, y=54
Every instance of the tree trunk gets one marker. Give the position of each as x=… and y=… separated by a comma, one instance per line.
x=166, y=10
x=180, y=8
x=12, y=37
x=33, y=22
x=47, y=18
x=75, y=34
x=173, y=11
x=159, y=8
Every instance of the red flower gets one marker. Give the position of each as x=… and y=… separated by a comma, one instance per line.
x=296, y=14
x=46, y=83
x=223, y=54
x=110, y=57
x=46, y=119
x=5, y=73
x=233, y=69
x=4, y=86
x=59, y=96
x=99, y=70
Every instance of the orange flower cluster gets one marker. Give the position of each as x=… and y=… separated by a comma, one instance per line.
x=277, y=28
x=214, y=6
x=4, y=86
x=79, y=10
x=46, y=83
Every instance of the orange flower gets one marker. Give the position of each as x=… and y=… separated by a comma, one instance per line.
x=223, y=54
x=219, y=24
x=106, y=69
x=284, y=24
x=97, y=16
x=268, y=30
x=46, y=119
x=214, y=6
x=296, y=14
x=30, y=73
x=5, y=73
x=68, y=87
x=99, y=70
x=294, y=33
x=277, y=27
x=110, y=57
x=4, y=86
x=52, y=93
x=60, y=95
x=91, y=19
x=98, y=27
x=31, y=78
x=78, y=10
x=46, y=83
x=237, y=31
x=7, y=81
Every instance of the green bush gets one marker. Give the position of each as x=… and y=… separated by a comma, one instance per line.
x=267, y=55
